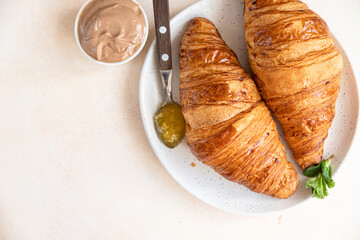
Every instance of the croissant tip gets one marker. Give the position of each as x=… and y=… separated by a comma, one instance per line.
x=200, y=20
x=292, y=183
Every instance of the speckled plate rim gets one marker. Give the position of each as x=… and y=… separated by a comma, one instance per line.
x=143, y=76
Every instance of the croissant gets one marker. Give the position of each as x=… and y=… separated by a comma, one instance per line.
x=228, y=126
x=297, y=69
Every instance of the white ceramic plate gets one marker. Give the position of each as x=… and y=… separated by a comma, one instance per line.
x=201, y=180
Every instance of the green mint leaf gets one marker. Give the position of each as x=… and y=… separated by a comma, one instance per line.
x=327, y=172
x=321, y=178
x=319, y=187
x=312, y=171
x=312, y=182
x=324, y=188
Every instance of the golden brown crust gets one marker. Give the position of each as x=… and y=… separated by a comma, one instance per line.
x=228, y=127
x=297, y=69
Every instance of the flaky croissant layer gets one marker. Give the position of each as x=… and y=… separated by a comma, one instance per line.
x=228, y=126
x=297, y=69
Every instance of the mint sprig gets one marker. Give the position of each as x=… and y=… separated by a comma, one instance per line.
x=321, y=178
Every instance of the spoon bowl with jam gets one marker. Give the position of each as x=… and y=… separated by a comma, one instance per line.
x=170, y=124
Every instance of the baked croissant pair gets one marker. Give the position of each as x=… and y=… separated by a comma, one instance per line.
x=297, y=70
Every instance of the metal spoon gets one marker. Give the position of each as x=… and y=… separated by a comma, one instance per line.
x=169, y=121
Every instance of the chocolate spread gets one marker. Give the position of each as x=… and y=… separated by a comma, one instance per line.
x=111, y=30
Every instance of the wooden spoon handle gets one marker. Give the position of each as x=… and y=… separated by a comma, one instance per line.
x=162, y=29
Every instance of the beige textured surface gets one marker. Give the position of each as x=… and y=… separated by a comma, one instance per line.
x=74, y=159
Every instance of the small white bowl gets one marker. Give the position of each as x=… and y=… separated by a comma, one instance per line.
x=108, y=63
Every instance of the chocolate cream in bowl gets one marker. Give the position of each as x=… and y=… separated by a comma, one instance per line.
x=111, y=30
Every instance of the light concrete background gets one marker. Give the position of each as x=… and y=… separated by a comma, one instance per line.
x=74, y=159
